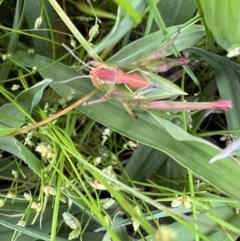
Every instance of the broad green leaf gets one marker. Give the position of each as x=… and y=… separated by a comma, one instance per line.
x=14, y=146
x=176, y=12
x=155, y=42
x=11, y=115
x=162, y=89
x=222, y=19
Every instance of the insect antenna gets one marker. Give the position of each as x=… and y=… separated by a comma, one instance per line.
x=69, y=80
x=75, y=56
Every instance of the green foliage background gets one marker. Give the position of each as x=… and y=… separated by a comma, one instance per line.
x=170, y=157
